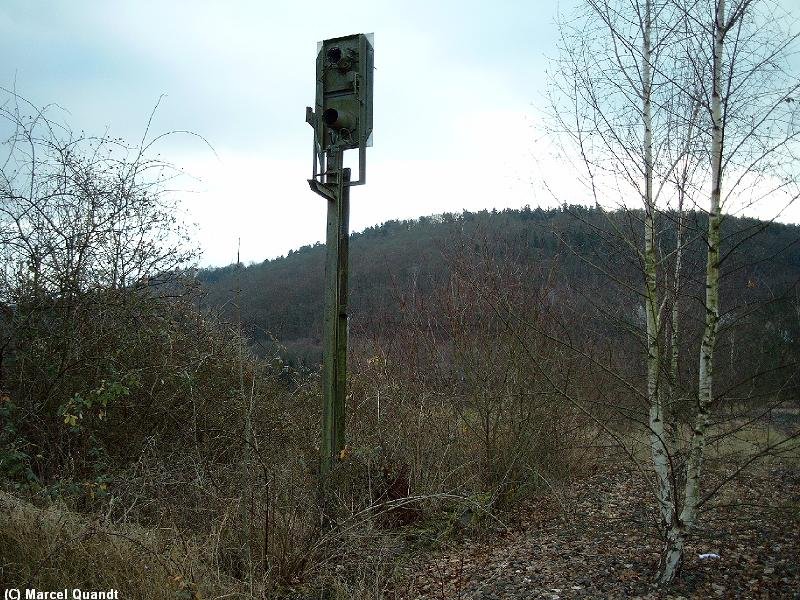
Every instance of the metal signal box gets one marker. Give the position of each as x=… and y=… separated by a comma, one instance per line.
x=342, y=118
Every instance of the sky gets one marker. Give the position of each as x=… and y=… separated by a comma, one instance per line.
x=459, y=97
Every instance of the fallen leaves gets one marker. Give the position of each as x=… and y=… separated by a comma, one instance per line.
x=603, y=543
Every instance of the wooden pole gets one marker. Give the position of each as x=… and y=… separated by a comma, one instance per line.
x=334, y=368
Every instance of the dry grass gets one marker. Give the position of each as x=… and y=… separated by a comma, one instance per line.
x=52, y=548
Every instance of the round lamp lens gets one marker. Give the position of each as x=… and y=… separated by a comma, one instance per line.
x=334, y=55
x=330, y=116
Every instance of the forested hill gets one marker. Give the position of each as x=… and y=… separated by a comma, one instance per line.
x=283, y=298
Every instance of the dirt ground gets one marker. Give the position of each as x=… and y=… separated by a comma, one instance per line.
x=598, y=539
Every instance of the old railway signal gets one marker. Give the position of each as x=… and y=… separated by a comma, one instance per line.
x=344, y=93
x=342, y=120
x=342, y=115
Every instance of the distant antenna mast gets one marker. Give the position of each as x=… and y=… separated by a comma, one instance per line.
x=342, y=120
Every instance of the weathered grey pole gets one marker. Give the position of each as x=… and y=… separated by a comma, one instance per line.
x=334, y=366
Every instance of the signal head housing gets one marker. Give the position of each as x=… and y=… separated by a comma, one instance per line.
x=344, y=93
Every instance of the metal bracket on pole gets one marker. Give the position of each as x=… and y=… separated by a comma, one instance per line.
x=322, y=189
x=362, y=167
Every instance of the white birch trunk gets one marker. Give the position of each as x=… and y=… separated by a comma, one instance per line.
x=694, y=464
x=658, y=448
x=705, y=377
x=706, y=367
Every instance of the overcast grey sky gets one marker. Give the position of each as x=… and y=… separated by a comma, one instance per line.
x=457, y=86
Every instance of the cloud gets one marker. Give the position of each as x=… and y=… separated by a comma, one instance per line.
x=454, y=85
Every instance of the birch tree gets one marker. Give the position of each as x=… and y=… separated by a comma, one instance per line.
x=661, y=102
x=620, y=111
x=747, y=95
